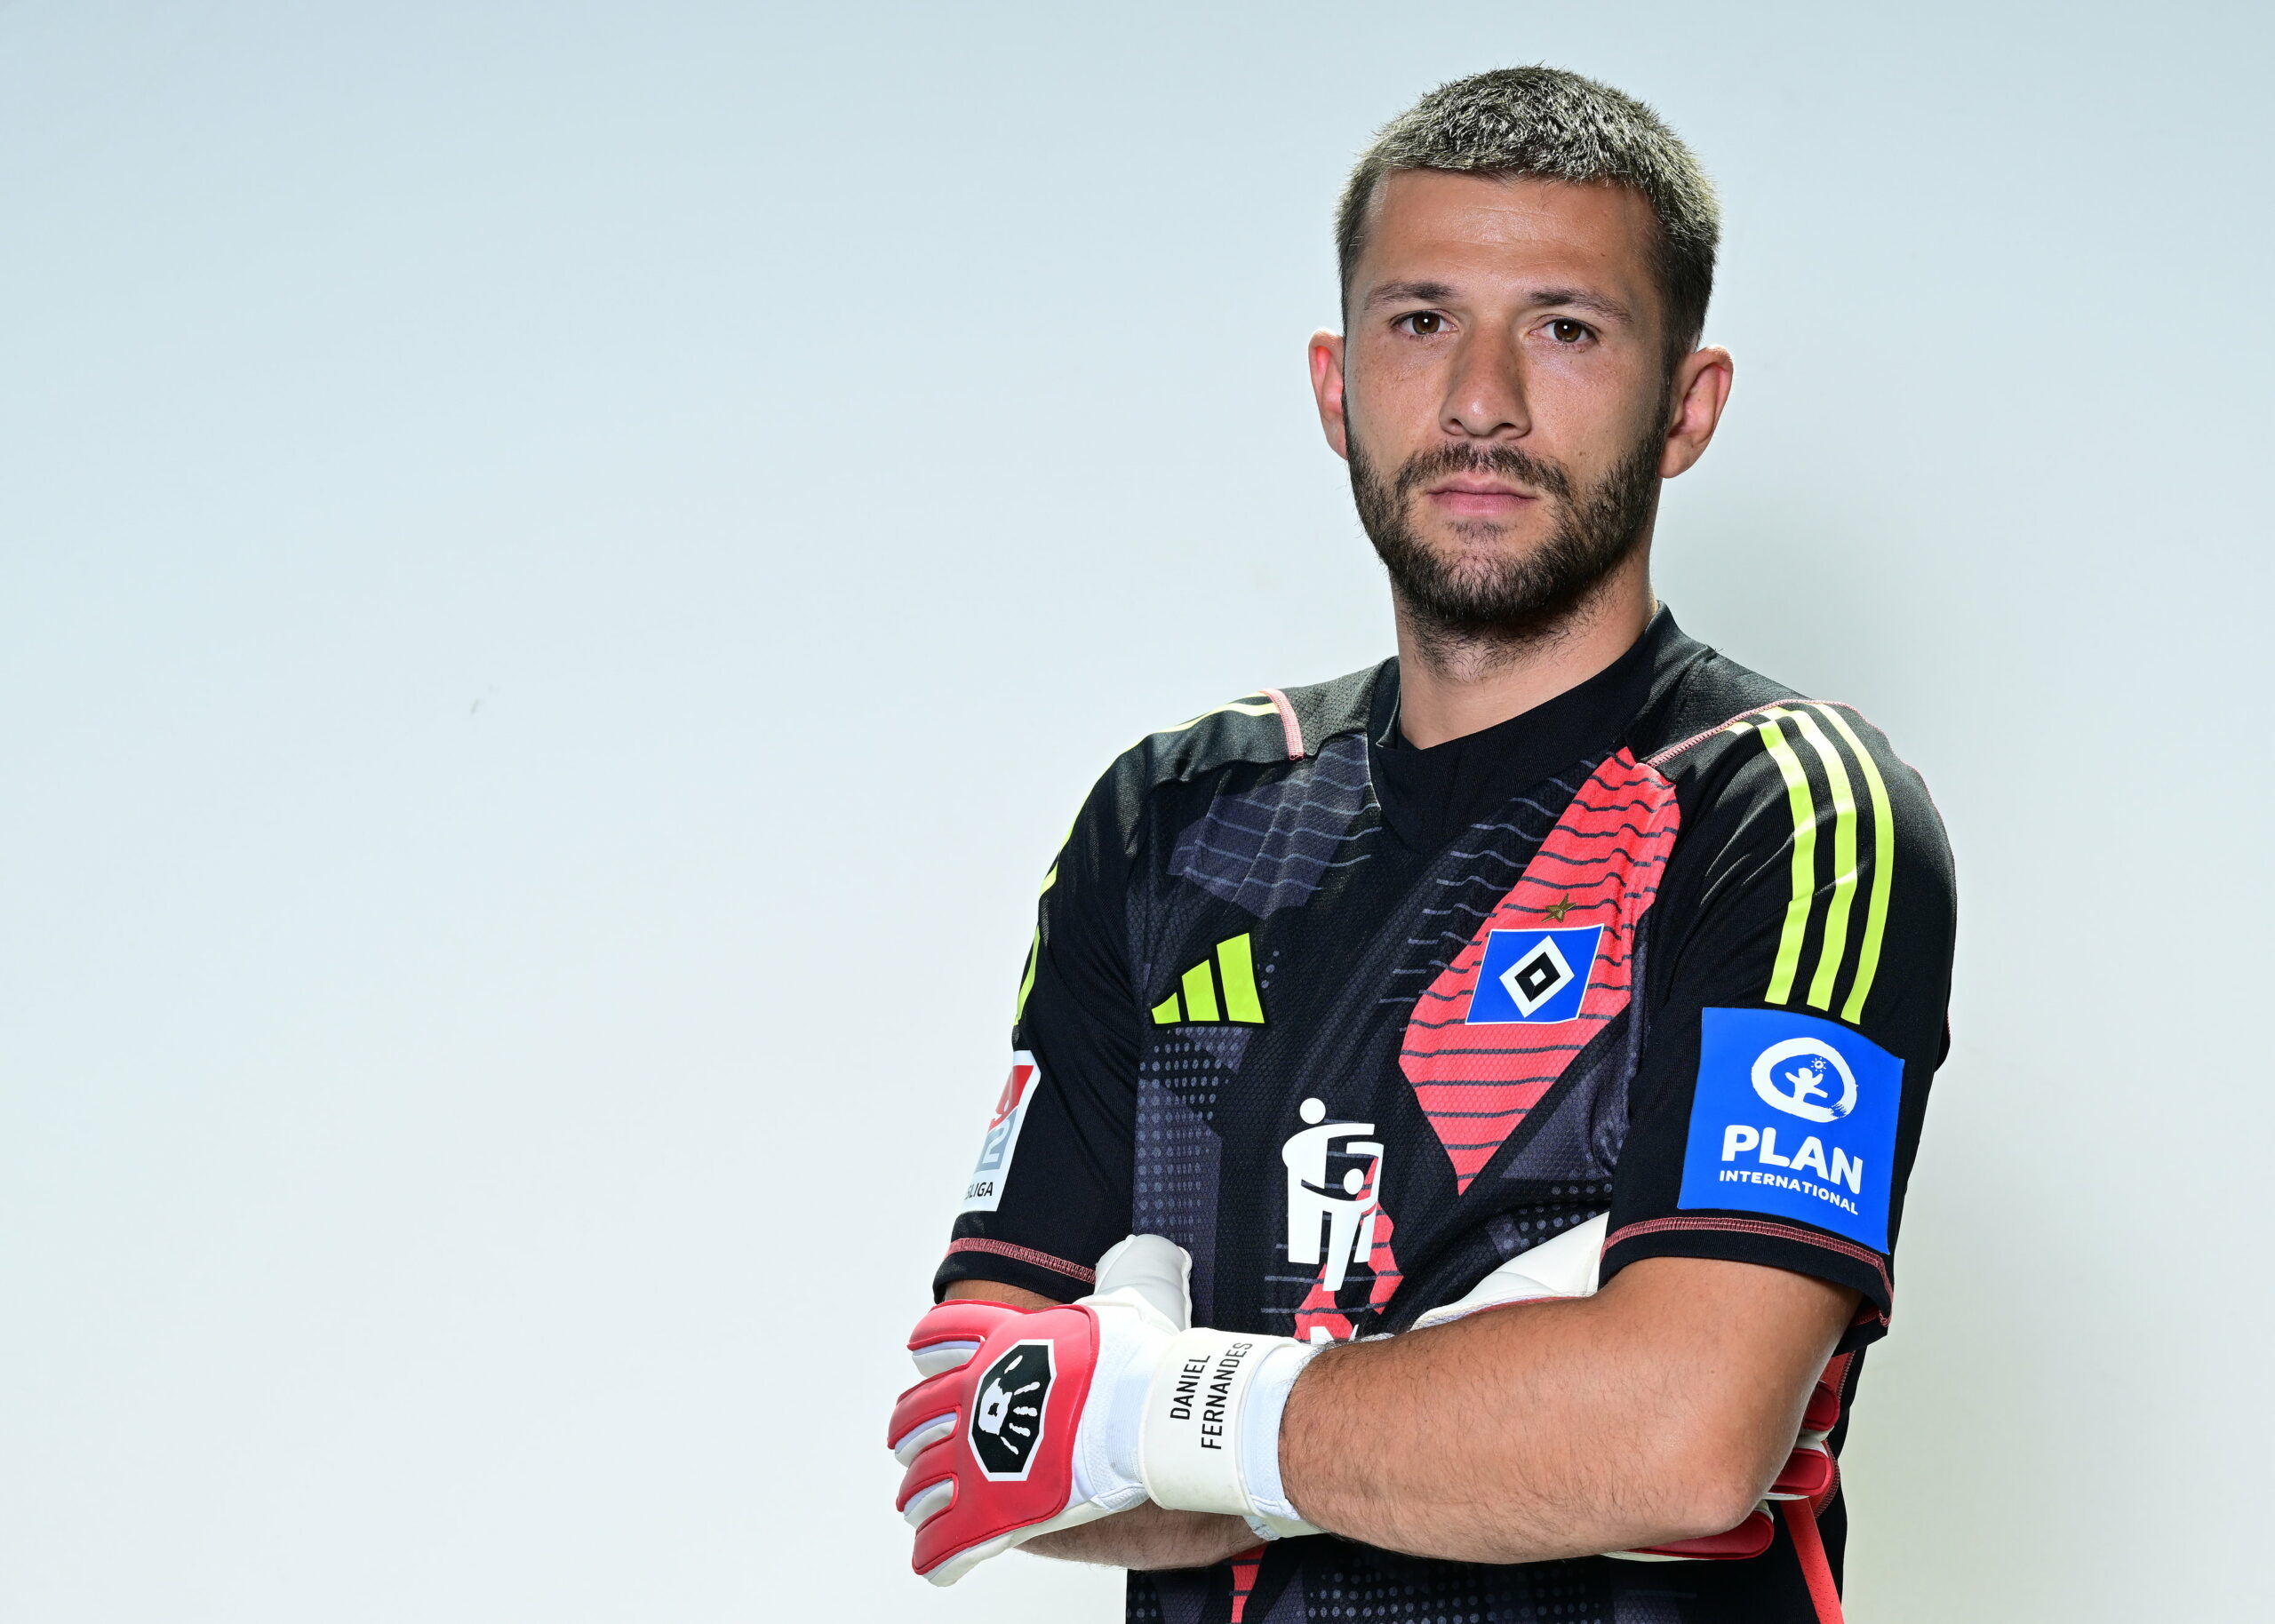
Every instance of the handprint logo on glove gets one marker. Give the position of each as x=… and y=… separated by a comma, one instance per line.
x=1007, y=1422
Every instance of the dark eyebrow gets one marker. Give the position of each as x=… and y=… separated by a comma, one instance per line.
x=1579, y=299
x=1394, y=292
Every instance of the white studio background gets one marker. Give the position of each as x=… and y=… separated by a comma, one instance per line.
x=566, y=565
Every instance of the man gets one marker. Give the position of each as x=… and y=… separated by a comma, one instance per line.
x=1509, y=1058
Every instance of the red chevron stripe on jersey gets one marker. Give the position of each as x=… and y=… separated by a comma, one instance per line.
x=1476, y=1083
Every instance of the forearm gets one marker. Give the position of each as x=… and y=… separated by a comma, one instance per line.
x=1147, y=1537
x=1564, y=1428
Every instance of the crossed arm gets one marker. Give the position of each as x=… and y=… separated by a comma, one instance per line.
x=1658, y=1410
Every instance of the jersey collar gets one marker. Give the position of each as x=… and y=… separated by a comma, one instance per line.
x=1427, y=796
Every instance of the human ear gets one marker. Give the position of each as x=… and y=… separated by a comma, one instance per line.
x=1326, y=389
x=1701, y=388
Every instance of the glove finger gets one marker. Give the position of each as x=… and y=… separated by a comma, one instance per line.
x=1750, y=1538
x=927, y=1401
x=961, y=1320
x=1806, y=1474
x=945, y=1571
x=941, y=1568
x=925, y=1437
x=937, y=1461
x=929, y=1502
x=941, y=1358
x=1156, y=1270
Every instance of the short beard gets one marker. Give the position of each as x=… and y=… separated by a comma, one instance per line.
x=1488, y=611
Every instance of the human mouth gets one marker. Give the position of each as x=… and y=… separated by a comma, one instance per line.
x=1478, y=499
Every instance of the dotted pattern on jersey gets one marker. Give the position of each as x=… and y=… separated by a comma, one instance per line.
x=1603, y=858
x=1224, y=1044
x=1641, y=1606
x=1558, y=1208
x=1356, y=1582
x=1270, y=848
x=1179, y=1156
x=1142, y=1601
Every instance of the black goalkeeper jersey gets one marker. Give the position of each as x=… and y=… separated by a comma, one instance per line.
x=1355, y=1023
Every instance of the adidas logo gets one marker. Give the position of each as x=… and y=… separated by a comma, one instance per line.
x=1221, y=988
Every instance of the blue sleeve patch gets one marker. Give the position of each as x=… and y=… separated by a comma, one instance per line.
x=1794, y=1117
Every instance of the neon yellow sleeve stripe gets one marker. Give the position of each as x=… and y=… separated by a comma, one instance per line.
x=1868, y=962
x=1237, y=707
x=1804, y=809
x=1169, y=1011
x=1844, y=863
x=1026, y=982
x=1034, y=951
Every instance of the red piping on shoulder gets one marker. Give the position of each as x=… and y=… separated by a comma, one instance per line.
x=1288, y=725
x=1701, y=736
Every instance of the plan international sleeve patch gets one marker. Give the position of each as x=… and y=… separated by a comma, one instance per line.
x=1795, y=1116
x=984, y=1193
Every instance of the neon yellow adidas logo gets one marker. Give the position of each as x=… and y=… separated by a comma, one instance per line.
x=1231, y=972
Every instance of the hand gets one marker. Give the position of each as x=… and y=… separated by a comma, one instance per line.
x=1027, y=1423
x=1570, y=1265
x=1030, y=1423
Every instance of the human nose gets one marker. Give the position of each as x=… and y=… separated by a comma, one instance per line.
x=1485, y=397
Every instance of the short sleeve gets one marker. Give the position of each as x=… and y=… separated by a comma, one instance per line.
x=1799, y=976
x=1050, y=1189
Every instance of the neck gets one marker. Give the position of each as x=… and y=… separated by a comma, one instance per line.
x=1449, y=687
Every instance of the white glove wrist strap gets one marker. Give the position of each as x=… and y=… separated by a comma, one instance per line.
x=1272, y=1516
x=1210, y=1440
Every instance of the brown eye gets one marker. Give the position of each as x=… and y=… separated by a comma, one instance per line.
x=1568, y=331
x=1424, y=323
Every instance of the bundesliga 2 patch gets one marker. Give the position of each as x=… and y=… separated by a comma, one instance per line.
x=1795, y=1116
x=1536, y=977
x=985, y=1192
